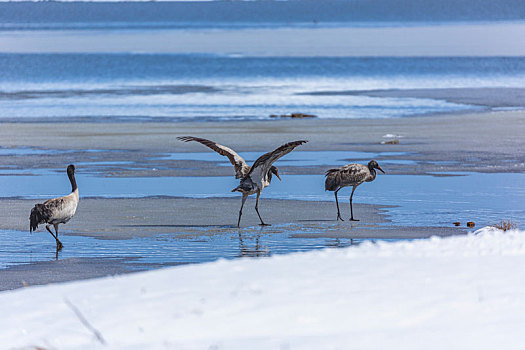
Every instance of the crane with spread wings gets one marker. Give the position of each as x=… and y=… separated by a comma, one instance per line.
x=252, y=179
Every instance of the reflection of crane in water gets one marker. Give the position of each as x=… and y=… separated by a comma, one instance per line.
x=256, y=251
x=337, y=243
x=350, y=175
x=255, y=178
x=260, y=249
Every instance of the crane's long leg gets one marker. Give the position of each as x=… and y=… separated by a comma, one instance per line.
x=52, y=234
x=257, y=209
x=244, y=196
x=351, y=208
x=59, y=244
x=337, y=203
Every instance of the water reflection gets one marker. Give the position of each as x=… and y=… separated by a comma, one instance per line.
x=339, y=243
x=191, y=245
x=252, y=247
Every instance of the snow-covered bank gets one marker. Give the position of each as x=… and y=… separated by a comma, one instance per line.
x=460, y=292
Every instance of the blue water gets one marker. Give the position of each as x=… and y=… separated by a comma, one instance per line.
x=301, y=158
x=166, y=249
x=174, y=87
x=419, y=200
x=144, y=87
x=149, y=14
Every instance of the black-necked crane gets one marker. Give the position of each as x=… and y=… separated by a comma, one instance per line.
x=350, y=175
x=57, y=210
x=255, y=178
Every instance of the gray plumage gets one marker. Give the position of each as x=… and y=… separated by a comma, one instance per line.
x=260, y=175
x=239, y=164
x=255, y=178
x=350, y=175
x=57, y=210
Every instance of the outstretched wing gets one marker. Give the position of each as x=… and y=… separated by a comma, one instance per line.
x=264, y=162
x=241, y=168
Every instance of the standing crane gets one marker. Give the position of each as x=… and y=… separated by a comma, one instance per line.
x=57, y=210
x=350, y=175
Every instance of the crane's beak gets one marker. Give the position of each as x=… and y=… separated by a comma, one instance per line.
x=379, y=168
x=276, y=174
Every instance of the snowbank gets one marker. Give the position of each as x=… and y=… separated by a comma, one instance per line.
x=463, y=292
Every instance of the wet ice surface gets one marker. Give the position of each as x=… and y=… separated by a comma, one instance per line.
x=419, y=201
x=24, y=151
x=164, y=249
x=302, y=158
x=128, y=162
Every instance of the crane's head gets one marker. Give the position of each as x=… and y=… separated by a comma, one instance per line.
x=70, y=169
x=273, y=170
x=373, y=165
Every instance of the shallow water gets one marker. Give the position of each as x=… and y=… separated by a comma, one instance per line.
x=150, y=86
x=108, y=162
x=485, y=198
x=421, y=201
x=97, y=158
x=301, y=158
x=24, y=151
x=165, y=249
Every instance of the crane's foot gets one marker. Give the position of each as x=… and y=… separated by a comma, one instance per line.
x=263, y=224
x=339, y=218
x=352, y=219
x=59, y=245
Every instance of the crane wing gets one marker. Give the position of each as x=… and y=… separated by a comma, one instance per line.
x=353, y=174
x=239, y=164
x=264, y=162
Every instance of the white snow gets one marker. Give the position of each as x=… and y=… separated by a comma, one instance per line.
x=463, y=292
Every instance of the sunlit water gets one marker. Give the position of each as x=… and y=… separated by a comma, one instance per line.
x=174, y=87
x=419, y=200
x=164, y=249
x=122, y=87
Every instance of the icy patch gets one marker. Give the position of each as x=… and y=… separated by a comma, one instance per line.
x=392, y=136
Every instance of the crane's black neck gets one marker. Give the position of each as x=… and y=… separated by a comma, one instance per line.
x=373, y=173
x=71, y=176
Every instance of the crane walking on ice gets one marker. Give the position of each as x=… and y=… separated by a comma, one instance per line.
x=57, y=210
x=255, y=178
x=350, y=175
